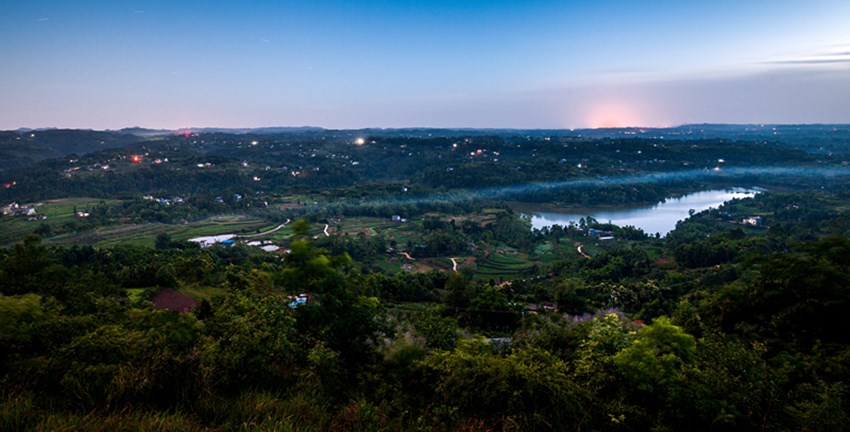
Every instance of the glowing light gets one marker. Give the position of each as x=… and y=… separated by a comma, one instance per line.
x=360, y=141
x=135, y=158
x=614, y=115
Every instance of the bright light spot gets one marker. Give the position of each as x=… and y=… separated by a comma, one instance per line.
x=253, y=143
x=720, y=161
x=716, y=168
x=135, y=158
x=360, y=141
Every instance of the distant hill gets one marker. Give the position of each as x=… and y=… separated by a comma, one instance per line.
x=143, y=132
x=21, y=148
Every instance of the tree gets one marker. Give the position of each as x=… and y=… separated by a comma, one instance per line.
x=163, y=241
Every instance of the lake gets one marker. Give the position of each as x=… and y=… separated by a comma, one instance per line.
x=660, y=218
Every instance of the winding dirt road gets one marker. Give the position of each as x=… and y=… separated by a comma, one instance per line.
x=582, y=252
x=267, y=232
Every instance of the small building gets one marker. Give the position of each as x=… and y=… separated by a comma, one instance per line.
x=752, y=220
x=208, y=241
x=173, y=300
x=15, y=209
x=396, y=218
x=302, y=299
x=593, y=232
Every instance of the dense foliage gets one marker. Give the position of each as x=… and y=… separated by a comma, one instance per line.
x=720, y=325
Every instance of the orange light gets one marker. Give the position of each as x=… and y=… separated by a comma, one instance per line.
x=135, y=158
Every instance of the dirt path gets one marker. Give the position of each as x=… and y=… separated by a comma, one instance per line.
x=407, y=255
x=454, y=264
x=326, y=231
x=267, y=232
x=581, y=252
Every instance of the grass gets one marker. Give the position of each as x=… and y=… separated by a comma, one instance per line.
x=390, y=266
x=58, y=212
x=202, y=293
x=592, y=249
x=506, y=266
x=145, y=234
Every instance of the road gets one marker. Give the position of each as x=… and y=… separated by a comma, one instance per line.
x=454, y=264
x=581, y=252
x=267, y=232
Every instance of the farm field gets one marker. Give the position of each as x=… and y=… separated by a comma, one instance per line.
x=57, y=211
x=145, y=234
x=503, y=266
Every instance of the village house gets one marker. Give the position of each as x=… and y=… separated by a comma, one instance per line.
x=15, y=209
x=175, y=301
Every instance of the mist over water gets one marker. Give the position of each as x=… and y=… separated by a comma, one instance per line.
x=660, y=218
x=507, y=192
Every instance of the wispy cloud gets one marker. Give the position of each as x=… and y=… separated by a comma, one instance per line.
x=834, y=54
x=43, y=19
x=810, y=61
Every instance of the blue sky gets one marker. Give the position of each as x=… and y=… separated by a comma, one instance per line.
x=341, y=64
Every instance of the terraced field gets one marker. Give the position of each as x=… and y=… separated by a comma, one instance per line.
x=58, y=213
x=145, y=234
x=507, y=266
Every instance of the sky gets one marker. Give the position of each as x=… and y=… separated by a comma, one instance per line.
x=461, y=63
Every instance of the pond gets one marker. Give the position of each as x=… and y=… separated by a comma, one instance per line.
x=660, y=218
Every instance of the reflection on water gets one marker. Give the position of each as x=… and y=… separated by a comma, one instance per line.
x=660, y=218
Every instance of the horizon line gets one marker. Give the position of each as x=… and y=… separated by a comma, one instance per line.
x=467, y=128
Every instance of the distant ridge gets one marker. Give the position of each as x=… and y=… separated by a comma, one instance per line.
x=144, y=132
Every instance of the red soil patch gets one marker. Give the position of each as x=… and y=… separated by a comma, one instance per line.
x=173, y=300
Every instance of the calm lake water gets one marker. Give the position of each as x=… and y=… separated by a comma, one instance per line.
x=660, y=218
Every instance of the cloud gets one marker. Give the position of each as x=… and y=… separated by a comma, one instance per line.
x=810, y=61
x=837, y=55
